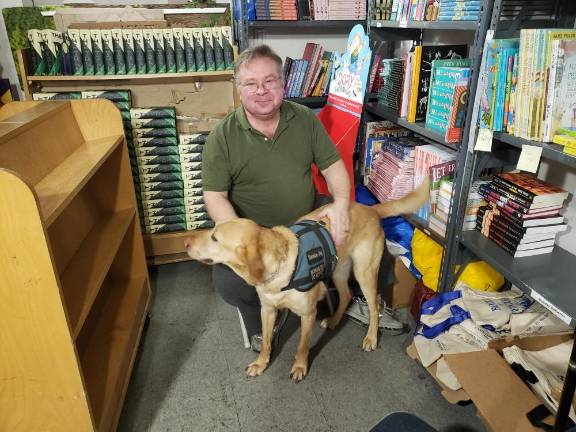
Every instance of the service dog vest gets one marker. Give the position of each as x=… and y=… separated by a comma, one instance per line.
x=316, y=255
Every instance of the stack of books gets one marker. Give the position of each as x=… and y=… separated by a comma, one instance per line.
x=284, y=10
x=127, y=51
x=425, y=157
x=427, y=10
x=391, y=86
x=310, y=75
x=447, y=98
x=374, y=134
x=439, y=212
x=392, y=173
x=344, y=9
x=522, y=215
x=527, y=85
x=566, y=137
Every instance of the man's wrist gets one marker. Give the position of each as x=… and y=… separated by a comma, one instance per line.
x=342, y=201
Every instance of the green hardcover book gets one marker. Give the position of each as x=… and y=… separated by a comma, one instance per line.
x=118, y=45
x=98, y=52
x=53, y=41
x=86, y=48
x=129, y=51
x=158, y=142
x=158, y=168
x=192, y=138
x=218, y=48
x=161, y=186
x=192, y=174
x=160, y=54
x=197, y=216
x=209, y=49
x=190, y=165
x=155, y=229
x=155, y=151
x=150, y=113
x=191, y=183
x=154, y=132
x=199, y=225
x=154, y=123
x=167, y=202
x=163, y=211
x=163, y=194
x=156, y=160
x=179, y=53
x=76, y=51
x=108, y=51
x=113, y=95
x=56, y=96
x=35, y=40
x=188, y=36
x=227, y=44
x=169, y=50
x=190, y=160
x=169, y=219
x=190, y=148
x=199, y=49
x=195, y=192
x=139, y=53
x=149, y=51
x=195, y=209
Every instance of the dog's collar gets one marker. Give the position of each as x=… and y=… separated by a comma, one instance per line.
x=317, y=256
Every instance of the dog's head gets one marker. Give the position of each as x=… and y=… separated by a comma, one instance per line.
x=241, y=244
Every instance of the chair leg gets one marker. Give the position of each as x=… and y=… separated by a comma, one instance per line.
x=244, y=332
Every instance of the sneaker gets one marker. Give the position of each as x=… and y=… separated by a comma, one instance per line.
x=256, y=341
x=358, y=311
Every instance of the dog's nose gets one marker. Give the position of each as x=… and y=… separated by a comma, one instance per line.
x=187, y=243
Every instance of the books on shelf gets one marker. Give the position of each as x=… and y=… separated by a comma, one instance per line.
x=310, y=75
x=522, y=215
x=130, y=51
x=528, y=86
x=427, y=10
x=292, y=10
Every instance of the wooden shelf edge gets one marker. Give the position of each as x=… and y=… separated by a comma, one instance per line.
x=168, y=258
x=109, y=356
x=163, y=244
x=87, y=270
x=59, y=187
x=132, y=77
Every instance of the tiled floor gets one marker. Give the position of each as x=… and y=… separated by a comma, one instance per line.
x=190, y=373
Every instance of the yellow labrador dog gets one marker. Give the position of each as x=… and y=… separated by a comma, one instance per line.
x=266, y=258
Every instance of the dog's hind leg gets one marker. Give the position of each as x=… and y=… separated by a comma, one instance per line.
x=366, y=265
x=340, y=278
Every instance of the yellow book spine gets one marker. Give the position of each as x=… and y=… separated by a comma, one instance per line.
x=415, y=81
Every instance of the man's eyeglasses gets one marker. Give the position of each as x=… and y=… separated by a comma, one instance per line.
x=269, y=84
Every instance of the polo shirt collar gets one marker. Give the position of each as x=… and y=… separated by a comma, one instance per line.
x=286, y=113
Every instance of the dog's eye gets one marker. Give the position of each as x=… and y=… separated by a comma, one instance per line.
x=213, y=237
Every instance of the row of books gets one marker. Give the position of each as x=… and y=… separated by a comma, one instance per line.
x=131, y=51
x=427, y=10
x=310, y=75
x=566, y=137
x=293, y=10
x=523, y=213
x=528, y=84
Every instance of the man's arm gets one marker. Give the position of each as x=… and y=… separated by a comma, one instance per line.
x=219, y=207
x=338, y=182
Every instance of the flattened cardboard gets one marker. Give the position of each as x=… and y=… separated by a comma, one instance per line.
x=530, y=343
x=452, y=396
x=500, y=396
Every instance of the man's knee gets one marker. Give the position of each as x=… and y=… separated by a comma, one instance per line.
x=231, y=287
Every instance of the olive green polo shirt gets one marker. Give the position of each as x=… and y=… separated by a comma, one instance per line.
x=268, y=181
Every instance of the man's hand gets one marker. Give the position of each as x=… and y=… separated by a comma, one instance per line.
x=339, y=215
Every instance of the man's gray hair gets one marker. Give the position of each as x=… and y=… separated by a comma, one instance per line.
x=260, y=51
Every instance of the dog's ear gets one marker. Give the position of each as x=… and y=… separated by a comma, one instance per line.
x=253, y=259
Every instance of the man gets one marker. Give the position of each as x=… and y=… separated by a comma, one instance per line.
x=256, y=165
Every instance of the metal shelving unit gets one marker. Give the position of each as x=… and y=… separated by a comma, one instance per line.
x=550, y=151
x=426, y=25
x=422, y=225
x=306, y=24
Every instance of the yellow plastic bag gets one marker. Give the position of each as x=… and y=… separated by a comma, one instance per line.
x=427, y=257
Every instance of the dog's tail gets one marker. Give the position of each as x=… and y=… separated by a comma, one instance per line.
x=408, y=204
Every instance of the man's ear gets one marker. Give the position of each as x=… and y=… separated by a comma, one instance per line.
x=253, y=259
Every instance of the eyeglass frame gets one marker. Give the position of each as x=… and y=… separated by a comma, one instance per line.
x=263, y=85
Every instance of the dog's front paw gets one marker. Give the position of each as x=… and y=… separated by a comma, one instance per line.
x=369, y=343
x=298, y=372
x=255, y=369
x=329, y=323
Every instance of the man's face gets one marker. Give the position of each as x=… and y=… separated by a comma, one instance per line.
x=261, y=87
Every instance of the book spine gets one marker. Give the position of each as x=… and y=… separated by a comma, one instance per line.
x=139, y=51
x=76, y=51
x=179, y=53
x=119, y=59
x=199, y=49
x=149, y=51
x=510, y=68
x=86, y=47
x=129, y=51
x=547, y=135
x=98, y=52
x=218, y=39
x=227, y=44
x=108, y=52
x=160, y=50
x=189, y=49
x=209, y=49
x=514, y=188
x=169, y=50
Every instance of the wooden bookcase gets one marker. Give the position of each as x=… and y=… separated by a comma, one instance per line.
x=194, y=95
x=75, y=290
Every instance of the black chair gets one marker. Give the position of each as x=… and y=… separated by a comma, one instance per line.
x=404, y=422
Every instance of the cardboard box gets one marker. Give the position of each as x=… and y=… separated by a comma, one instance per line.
x=400, y=293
